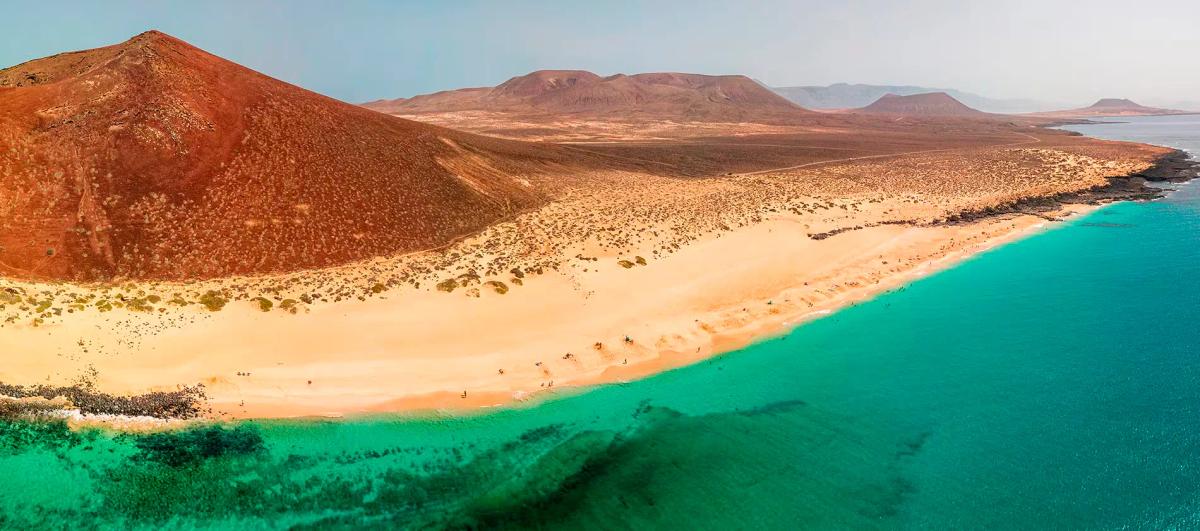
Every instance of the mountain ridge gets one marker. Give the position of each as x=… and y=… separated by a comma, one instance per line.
x=668, y=95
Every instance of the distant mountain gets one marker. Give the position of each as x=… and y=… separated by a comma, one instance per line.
x=1187, y=105
x=934, y=104
x=153, y=159
x=1112, y=107
x=676, y=96
x=853, y=96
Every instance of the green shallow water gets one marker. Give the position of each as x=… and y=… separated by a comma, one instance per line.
x=1050, y=383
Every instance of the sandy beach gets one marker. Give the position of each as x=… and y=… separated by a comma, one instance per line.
x=411, y=349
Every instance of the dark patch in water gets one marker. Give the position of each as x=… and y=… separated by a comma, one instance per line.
x=885, y=501
x=191, y=446
x=914, y=446
x=539, y=434
x=665, y=468
x=783, y=406
x=17, y=437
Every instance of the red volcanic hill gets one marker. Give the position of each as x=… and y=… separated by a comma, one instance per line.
x=1112, y=107
x=932, y=104
x=690, y=97
x=152, y=159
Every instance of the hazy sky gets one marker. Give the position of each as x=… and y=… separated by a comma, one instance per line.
x=361, y=50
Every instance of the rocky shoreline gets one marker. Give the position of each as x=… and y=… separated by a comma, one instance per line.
x=186, y=402
x=1177, y=167
x=1174, y=167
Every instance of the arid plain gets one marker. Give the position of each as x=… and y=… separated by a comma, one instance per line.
x=472, y=249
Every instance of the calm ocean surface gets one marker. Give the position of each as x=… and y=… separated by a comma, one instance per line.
x=1053, y=383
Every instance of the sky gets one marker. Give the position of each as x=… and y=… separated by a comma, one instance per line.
x=1062, y=51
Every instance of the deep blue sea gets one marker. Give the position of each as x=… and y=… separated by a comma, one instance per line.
x=1053, y=383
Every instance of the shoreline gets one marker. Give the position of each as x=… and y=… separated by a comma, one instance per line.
x=417, y=353
x=727, y=342
x=720, y=338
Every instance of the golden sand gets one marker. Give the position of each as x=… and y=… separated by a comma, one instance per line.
x=620, y=276
x=417, y=349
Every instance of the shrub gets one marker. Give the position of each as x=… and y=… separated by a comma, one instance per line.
x=213, y=300
x=138, y=305
x=9, y=297
x=264, y=303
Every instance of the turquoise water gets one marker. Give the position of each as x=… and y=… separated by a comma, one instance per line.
x=1051, y=383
